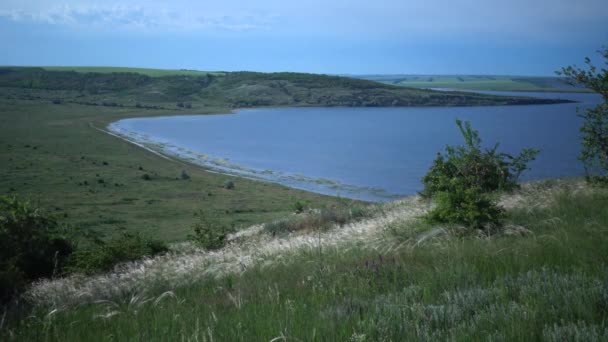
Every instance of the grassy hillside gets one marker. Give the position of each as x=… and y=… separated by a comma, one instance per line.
x=54, y=155
x=229, y=90
x=388, y=278
x=144, y=71
x=484, y=82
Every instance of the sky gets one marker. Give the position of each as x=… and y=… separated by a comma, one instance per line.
x=500, y=37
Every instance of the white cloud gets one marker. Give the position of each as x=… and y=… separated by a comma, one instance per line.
x=357, y=18
x=139, y=17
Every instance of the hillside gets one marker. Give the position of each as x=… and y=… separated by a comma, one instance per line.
x=228, y=90
x=387, y=277
x=144, y=71
x=478, y=82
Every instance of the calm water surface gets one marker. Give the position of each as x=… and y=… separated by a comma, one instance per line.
x=366, y=153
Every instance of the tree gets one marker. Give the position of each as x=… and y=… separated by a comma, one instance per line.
x=32, y=246
x=594, y=131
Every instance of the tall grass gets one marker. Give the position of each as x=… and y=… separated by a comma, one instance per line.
x=321, y=219
x=550, y=281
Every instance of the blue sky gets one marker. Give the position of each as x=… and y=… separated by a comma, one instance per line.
x=533, y=37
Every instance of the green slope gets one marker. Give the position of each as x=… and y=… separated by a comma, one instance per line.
x=482, y=82
x=235, y=90
x=144, y=71
x=542, y=279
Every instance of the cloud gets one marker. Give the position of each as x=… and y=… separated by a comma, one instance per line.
x=358, y=19
x=138, y=17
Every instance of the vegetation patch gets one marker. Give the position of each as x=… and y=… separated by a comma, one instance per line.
x=549, y=284
x=594, y=131
x=209, y=232
x=32, y=246
x=320, y=219
x=102, y=255
x=462, y=181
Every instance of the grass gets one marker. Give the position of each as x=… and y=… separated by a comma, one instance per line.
x=320, y=219
x=52, y=154
x=387, y=277
x=145, y=71
x=229, y=90
x=543, y=281
x=495, y=83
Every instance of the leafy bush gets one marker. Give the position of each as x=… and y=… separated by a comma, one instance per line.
x=209, y=232
x=465, y=205
x=299, y=206
x=462, y=180
x=184, y=175
x=104, y=255
x=594, y=130
x=228, y=185
x=487, y=170
x=32, y=246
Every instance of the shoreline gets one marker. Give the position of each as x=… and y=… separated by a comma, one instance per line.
x=220, y=166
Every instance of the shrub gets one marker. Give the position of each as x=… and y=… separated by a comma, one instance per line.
x=487, y=170
x=146, y=177
x=209, y=232
x=468, y=206
x=299, y=206
x=462, y=180
x=228, y=185
x=594, y=131
x=103, y=255
x=184, y=175
x=32, y=246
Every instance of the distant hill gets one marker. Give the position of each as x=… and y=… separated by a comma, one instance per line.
x=227, y=89
x=477, y=82
x=145, y=71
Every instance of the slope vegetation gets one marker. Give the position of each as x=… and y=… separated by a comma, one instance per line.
x=389, y=277
x=234, y=89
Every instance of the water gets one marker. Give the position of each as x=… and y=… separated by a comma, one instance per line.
x=366, y=153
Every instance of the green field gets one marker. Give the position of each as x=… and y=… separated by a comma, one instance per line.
x=496, y=83
x=53, y=155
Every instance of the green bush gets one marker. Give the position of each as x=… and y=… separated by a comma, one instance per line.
x=103, y=255
x=228, y=185
x=299, y=206
x=209, y=232
x=462, y=180
x=470, y=207
x=32, y=246
x=487, y=170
